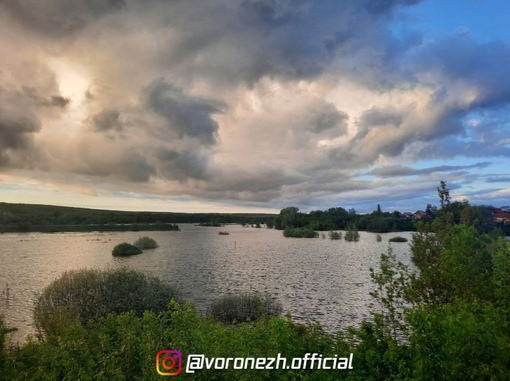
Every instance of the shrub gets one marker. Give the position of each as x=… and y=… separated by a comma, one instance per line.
x=300, y=232
x=398, y=239
x=352, y=233
x=378, y=238
x=125, y=249
x=83, y=295
x=335, y=235
x=232, y=309
x=144, y=243
x=223, y=233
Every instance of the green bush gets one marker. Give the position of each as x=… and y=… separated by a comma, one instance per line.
x=335, y=235
x=398, y=239
x=83, y=295
x=240, y=308
x=125, y=249
x=378, y=238
x=300, y=233
x=144, y=243
x=352, y=233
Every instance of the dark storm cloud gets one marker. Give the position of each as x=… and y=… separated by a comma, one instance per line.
x=18, y=125
x=461, y=58
x=328, y=116
x=377, y=117
x=134, y=168
x=452, y=147
x=16, y=141
x=244, y=41
x=16, y=130
x=188, y=116
x=59, y=17
x=179, y=166
x=59, y=101
x=293, y=46
x=107, y=120
x=399, y=170
x=130, y=166
x=380, y=117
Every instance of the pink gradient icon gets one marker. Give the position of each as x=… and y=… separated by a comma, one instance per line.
x=169, y=362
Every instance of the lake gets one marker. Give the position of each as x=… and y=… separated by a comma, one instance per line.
x=314, y=279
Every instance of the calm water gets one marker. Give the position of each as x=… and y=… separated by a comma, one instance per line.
x=314, y=279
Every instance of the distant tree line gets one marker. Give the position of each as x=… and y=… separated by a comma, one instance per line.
x=24, y=217
x=459, y=212
x=339, y=219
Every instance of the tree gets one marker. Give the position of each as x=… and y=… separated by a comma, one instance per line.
x=444, y=194
x=288, y=217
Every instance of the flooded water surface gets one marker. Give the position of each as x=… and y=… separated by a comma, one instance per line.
x=314, y=279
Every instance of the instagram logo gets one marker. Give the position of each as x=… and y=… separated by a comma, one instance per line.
x=169, y=362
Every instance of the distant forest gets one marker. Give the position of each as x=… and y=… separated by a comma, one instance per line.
x=339, y=219
x=32, y=217
x=459, y=212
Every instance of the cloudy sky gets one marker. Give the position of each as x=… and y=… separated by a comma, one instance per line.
x=254, y=105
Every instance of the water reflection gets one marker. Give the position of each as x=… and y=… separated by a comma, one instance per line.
x=314, y=279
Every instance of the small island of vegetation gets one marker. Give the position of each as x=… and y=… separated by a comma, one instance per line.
x=398, y=239
x=334, y=235
x=351, y=234
x=302, y=232
x=125, y=249
x=144, y=243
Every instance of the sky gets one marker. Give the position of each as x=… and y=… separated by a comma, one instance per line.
x=254, y=105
